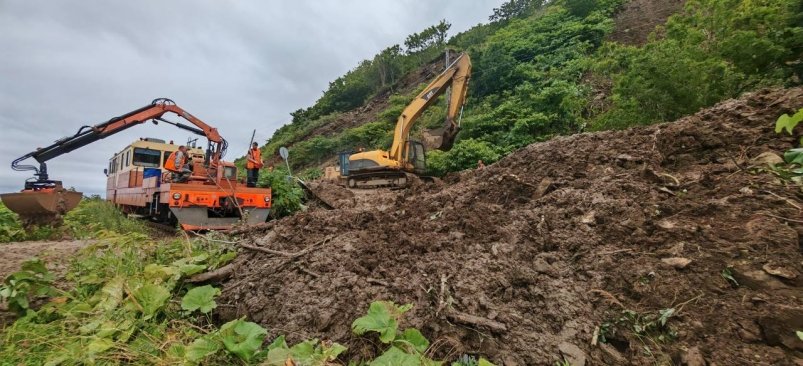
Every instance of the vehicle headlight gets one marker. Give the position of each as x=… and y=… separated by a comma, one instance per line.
x=176, y=196
x=267, y=198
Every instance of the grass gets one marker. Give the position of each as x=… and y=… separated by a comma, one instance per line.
x=124, y=306
x=92, y=216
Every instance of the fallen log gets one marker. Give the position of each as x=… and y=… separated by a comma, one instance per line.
x=217, y=275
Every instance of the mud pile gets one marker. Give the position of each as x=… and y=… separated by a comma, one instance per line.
x=580, y=238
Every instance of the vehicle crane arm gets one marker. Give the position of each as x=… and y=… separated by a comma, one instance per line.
x=457, y=76
x=89, y=134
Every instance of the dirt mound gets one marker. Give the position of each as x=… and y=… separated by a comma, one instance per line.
x=638, y=18
x=581, y=238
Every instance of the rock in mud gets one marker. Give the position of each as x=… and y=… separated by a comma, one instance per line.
x=573, y=354
x=779, y=271
x=676, y=262
x=692, y=357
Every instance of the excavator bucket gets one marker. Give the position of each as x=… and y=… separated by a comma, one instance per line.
x=41, y=206
x=440, y=138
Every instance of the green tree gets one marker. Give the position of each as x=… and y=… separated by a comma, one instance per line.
x=515, y=9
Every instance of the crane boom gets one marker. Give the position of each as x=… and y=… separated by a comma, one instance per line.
x=89, y=134
x=456, y=76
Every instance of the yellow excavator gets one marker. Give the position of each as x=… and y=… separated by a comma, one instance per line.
x=406, y=156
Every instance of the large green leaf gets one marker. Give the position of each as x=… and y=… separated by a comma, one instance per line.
x=111, y=294
x=151, y=298
x=160, y=272
x=99, y=345
x=396, y=357
x=413, y=338
x=201, y=348
x=788, y=123
x=242, y=338
x=382, y=317
x=200, y=298
x=794, y=156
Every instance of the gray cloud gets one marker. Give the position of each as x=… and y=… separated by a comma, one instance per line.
x=238, y=65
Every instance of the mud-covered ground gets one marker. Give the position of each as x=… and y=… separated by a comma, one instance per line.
x=579, y=240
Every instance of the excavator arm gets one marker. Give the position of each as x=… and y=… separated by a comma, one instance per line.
x=89, y=134
x=457, y=76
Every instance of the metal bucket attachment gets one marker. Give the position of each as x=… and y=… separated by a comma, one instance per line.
x=41, y=207
x=440, y=138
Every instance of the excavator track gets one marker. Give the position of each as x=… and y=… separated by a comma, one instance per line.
x=394, y=179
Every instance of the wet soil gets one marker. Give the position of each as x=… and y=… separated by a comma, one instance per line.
x=638, y=18
x=561, y=250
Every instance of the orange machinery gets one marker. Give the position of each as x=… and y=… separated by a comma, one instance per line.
x=212, y=198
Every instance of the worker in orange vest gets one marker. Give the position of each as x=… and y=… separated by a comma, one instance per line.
x=253, y=165
x=177, y=164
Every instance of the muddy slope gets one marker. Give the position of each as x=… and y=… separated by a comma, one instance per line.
x=638, y=18
x=525, y=260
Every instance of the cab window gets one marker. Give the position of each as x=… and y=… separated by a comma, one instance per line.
x=146, y=157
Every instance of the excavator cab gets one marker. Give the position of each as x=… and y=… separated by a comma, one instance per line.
x=416, y=156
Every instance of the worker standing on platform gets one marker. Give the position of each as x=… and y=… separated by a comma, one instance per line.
x=253, y=165
x=177, y=164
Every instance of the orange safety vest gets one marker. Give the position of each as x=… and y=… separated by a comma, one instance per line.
x=170, y=164
x=255, y=154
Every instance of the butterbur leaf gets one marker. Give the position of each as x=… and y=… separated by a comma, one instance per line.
x=788, y=123
x=278, y=357
x=304, y=350
x=665, y=315
x=163, y=273
x=111, y=294
x=201, y=348
x=396, y=357
x=794, y=156
x=331, y=352
x=277, y=343
x=799, y=335
x=484, y=362
x=151, y=298
x=200, y=298
x=242, y=338
x=99, y=345
x=382, y=317
x=414, y=338
x=191, y=269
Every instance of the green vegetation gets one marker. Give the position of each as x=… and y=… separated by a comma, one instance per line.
x=33, y=280
x=792, y=167
x=536, y=67
x=130, y=304
x=123, y=307
x=713, y=50
x=286, y=194
x=92, y=217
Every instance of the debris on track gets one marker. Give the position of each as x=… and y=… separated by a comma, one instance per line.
x=657, y=244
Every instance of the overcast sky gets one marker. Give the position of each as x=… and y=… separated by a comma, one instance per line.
x=238, y=65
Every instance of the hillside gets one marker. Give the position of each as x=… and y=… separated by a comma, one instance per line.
x=672, y=243
x=544, y=69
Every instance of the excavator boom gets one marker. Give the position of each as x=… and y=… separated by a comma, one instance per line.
x=455, y=76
